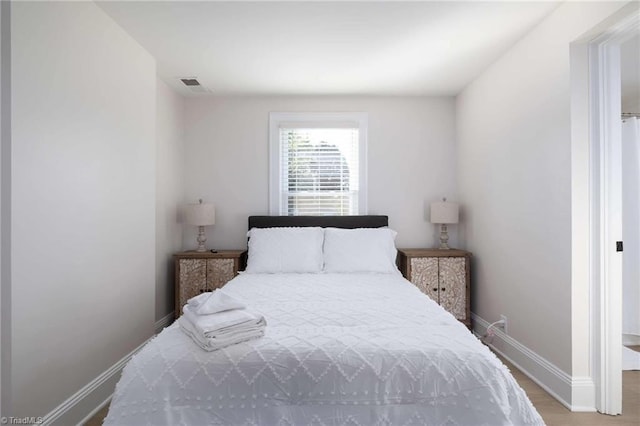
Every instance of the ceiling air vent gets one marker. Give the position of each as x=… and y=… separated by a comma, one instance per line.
x=193, y=85
x=190, y=82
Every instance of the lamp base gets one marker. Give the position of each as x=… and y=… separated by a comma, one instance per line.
x=444, y=237
x=202, y=238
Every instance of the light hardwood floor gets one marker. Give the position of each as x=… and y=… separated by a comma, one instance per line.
x=553, y=413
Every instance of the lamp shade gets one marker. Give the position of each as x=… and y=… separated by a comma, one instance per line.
x=444, y=212
x=200, y=214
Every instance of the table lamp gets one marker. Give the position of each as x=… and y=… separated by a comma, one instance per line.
x=444, y=213
x=200, y=214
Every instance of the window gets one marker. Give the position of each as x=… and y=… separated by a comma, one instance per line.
x=317, y=164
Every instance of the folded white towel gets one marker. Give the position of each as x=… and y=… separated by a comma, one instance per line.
x=218, y=342
x=223, y=322
x=213, y=302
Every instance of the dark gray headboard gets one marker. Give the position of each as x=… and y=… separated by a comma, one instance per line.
x=349, y=222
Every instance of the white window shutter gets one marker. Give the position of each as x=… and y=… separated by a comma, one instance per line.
x=317, y=167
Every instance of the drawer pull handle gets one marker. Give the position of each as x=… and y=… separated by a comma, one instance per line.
x=435, y=289
x=442, y=289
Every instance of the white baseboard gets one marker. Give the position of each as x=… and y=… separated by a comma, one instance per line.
x=575, y=393
x=164, y=322
x=95, y=410
x=90, y=395
x=85, y=403
x=630, y=339
x=584, y=394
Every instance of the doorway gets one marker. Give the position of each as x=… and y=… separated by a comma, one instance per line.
x=597, y=205
x=630, y=79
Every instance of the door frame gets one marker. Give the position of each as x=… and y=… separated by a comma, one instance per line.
x=605, y=202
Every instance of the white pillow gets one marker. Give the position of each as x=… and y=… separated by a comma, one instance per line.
x=282, y=250
x=360, y=250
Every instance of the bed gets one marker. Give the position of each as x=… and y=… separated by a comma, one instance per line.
x=342, y=347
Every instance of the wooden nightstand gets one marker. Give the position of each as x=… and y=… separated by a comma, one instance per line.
x=444, y=275
x=197, y=272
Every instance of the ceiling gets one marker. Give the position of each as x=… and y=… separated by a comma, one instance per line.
x=326, y=48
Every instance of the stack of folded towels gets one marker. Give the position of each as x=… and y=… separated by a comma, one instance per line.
x=216, y=320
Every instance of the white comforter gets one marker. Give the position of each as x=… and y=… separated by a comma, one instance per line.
x=339, y=349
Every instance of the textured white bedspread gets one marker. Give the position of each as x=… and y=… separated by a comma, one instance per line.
x=339, y=349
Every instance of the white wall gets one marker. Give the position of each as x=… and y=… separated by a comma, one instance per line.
x=630, y=74
x=631, y=104
x=169, y=192
x=410, y=148
x=514, y=168
x=5, y=203
x=83, y=205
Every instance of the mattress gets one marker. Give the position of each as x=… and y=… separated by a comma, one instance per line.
x=339, y=349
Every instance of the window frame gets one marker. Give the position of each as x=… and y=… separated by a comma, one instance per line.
x=323, y=119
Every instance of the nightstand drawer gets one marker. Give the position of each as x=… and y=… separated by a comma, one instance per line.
x=200, y=272
x=219, y=272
